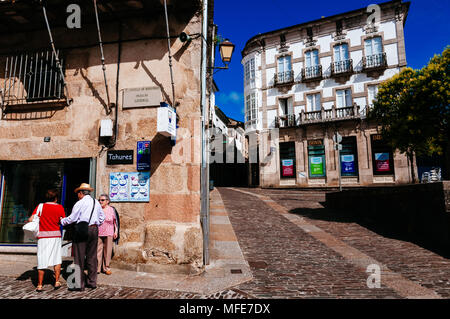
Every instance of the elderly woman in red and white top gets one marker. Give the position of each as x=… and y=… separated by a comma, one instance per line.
x=106, y=233
x=49, y=237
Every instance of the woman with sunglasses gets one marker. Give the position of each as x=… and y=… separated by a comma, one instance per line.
x=107, y=232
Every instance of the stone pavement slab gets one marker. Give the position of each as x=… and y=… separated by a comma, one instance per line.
x=227, y=268
x=412, y=271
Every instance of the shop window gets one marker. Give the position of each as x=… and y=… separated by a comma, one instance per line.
x=316, y=158
x=25, y=184
x=382, y=157
x=349, y=157
x=287, y=160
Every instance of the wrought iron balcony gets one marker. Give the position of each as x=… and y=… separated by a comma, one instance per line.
x=375, y=61
x=342, y=67
x=321, y=116
x=328, y=115
x=32, y=79
x=312, y=73
x=283, y=77
x=288, y=120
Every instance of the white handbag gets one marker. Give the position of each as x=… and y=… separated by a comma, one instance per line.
x=32, y=227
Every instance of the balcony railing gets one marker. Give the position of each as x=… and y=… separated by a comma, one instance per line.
x=312, y=73
x=322, y=115
x=285, y=120
x=342, y=67
x=375, y=61
x=32, y=78
x=283, y=77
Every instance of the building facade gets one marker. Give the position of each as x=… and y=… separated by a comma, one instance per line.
x=305, y=84
x=80, y=120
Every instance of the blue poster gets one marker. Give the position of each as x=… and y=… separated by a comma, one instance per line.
x=143, y=156
x=348, y=164
x=129, y=187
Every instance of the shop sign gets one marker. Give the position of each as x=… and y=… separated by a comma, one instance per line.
x=143, y=156
x=119, y=157
x=377, y=137
x=382, y=162
x=315, y=142
x=141, y=97
x=129, y=187
x=287, y=167
x=348, y=163
x=316, y=165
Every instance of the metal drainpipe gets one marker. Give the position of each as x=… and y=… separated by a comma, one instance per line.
x=204, y=187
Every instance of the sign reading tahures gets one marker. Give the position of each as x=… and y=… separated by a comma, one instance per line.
x=119, y=157
x=141, y=97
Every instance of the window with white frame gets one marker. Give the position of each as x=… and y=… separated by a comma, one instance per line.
x=341, y=52
x=312, y=64
x=373, y=46
x=249, y=70
x=250, y=107
x=372, y=93
x=344, y=98
x=313, y=102
x=284, y=69
x=312, y=58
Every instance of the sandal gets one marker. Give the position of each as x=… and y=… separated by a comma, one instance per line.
x=39, y=288
x=57, y=285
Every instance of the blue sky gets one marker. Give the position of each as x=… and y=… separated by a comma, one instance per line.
x=427, y=32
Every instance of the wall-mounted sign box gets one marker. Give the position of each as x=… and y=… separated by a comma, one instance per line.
x=141, y=97
x=119, y=157
x=167, y=120
x=143, y=156
x=129, y=187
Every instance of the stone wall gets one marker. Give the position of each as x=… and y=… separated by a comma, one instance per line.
x=167, y=230
x=420, y=212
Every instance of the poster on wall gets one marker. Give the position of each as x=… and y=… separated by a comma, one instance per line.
x=316, y=165
x=287, y=167
x=143, y=156
x=129, y=187
x=348, y=164
x=382, y=162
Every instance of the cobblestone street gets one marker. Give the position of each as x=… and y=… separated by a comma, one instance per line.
x=289, y=262
x=295, y=248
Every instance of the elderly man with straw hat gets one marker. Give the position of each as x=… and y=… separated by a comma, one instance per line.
x=89, y=210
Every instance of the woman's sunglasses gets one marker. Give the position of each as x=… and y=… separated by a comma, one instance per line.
x=102, y=200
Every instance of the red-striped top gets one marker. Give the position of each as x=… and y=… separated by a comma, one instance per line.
x=49, y=220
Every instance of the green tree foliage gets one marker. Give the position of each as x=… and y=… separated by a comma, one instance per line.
x=413, y=108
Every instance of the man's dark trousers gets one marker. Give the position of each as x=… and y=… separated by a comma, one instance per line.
x=85, y=253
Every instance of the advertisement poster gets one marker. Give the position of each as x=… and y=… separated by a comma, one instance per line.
x=348, y=164
x=129, y=187
x=143, y=156
x=382, y=162
x=287, y=167
x=316, y=165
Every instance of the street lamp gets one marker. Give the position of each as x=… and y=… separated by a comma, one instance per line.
x=226, y=49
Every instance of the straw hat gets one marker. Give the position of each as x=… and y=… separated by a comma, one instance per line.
x=84, y=187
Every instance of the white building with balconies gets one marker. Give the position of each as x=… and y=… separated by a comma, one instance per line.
x=319, y=78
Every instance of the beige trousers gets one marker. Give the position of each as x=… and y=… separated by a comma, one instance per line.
x=104, y=251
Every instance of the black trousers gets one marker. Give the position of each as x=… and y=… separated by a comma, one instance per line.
x=85, y=254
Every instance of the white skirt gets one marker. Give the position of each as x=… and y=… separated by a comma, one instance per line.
x=48, y=252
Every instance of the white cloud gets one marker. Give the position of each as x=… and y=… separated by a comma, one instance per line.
x=232, y=97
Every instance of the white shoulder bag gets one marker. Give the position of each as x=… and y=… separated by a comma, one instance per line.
x=33, y=227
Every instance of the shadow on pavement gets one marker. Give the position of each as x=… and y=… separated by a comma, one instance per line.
x=49, y=277
x=385, y=230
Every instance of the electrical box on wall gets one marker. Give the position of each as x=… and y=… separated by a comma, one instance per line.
x=106, y=128
x=167, y=120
